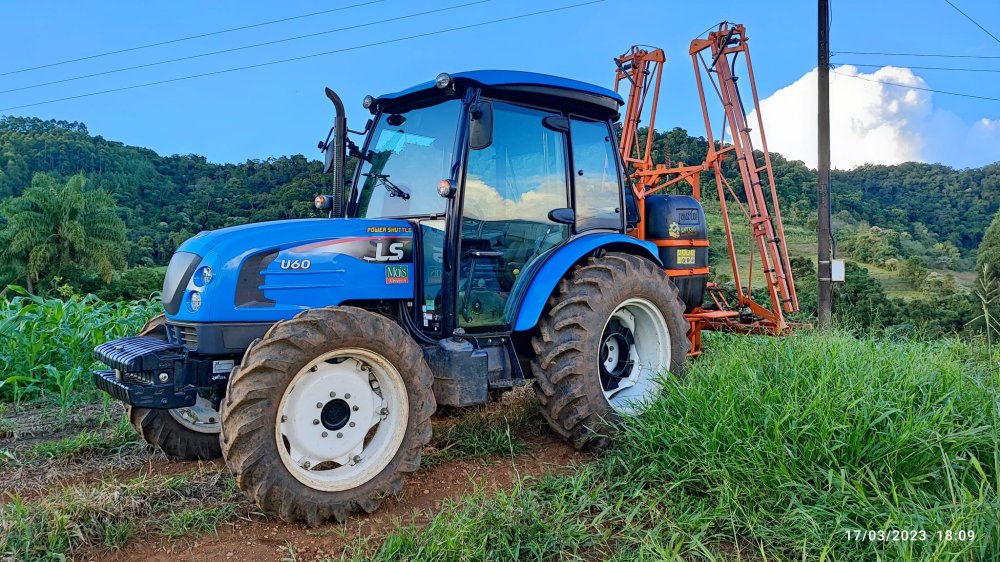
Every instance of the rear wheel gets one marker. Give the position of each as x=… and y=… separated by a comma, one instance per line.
x=190, y=433
x=327, y=413
x=613, y=327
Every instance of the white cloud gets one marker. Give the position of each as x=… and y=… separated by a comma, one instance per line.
x=872, y=122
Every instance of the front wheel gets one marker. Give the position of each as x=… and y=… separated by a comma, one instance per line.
x=189, y=433
x=327, y=413
x=613, y=328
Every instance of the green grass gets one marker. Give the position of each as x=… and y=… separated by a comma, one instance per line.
x=114, y=438
x=118, y=533
x=482, y=432
x=770, y=449
x=109, y=513
x=197, y=521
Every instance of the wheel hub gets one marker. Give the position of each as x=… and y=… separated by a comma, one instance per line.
x=202, y=417
x=336, y=413
x=341, y=419
x=634, y=351
x=321, y=432
x=617, y=351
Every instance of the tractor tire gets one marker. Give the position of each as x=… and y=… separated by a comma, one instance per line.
x=288, y=420
x=164, y=430
x=584, y=382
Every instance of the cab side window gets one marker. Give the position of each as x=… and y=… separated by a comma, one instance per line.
x=596, y=180
x=510, y=187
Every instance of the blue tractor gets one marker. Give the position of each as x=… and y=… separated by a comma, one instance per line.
x=482, y=242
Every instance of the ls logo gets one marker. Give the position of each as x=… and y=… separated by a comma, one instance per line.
x=395, y=252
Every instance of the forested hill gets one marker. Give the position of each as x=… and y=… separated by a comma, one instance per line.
x=166, y=199
x=930, y=202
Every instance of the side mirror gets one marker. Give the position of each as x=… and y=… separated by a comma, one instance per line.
x=335, y=152
x=481, y=126
x=563, y=215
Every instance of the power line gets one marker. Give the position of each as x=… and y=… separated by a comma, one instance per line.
x=916, y=87
x=211, y=53
x=303, y=57
x=968, y=17
x=190, y=37
x=917, y=55
x=919, y=67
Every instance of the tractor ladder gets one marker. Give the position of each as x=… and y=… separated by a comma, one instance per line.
x=761, y=210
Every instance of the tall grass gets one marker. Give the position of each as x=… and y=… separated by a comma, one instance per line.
x=800, y=440
x=46, y=345
x=770, y=449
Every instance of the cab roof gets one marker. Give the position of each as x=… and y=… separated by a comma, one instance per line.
x=523, y=84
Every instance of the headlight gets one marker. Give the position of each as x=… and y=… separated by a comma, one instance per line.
x=195, y=301
x=203, y=276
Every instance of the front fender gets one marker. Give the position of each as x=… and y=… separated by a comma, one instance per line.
x=534, y=287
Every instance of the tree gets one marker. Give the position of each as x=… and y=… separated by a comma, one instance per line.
x=860, y=301
x=63, y=231
x=872, y=245
x=914, y=271
x=988, y=279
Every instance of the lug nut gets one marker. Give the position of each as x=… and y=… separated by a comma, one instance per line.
x=356, y=459
x=319, y=404
x=315, y=422
x=306, y=464
x=324, y=434
x=339, y=435
x=347, y=396
x=352, y=424
x=284, y=419
x=355, y=408
x=333, y=395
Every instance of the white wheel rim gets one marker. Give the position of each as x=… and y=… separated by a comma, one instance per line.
x=202, y=417
x=342, y=419
x=641, y=352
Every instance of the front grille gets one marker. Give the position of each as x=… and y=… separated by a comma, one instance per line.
x=181, y=334
x=189, y=336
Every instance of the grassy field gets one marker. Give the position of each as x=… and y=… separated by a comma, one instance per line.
x=768, y=450
x=801, y=242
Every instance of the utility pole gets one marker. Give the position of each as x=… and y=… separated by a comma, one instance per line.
x=825, y=297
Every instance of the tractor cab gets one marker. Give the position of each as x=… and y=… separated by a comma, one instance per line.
x=493, y=169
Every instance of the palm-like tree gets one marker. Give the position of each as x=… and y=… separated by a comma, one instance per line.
x=51, y=228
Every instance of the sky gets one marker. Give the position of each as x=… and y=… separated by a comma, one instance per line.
x=280, y=109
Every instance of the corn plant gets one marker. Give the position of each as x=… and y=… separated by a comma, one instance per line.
x=46, y=345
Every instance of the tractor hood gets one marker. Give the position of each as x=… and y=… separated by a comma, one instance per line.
x=273, y=270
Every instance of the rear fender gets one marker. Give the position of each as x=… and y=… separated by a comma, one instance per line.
x=539, y=280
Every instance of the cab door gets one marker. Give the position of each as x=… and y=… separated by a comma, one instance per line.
x=510, y=187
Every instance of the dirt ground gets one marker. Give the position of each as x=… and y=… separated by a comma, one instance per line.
x=255, y=536
x=265, y=538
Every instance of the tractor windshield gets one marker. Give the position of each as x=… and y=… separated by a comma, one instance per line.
x=410, y=152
